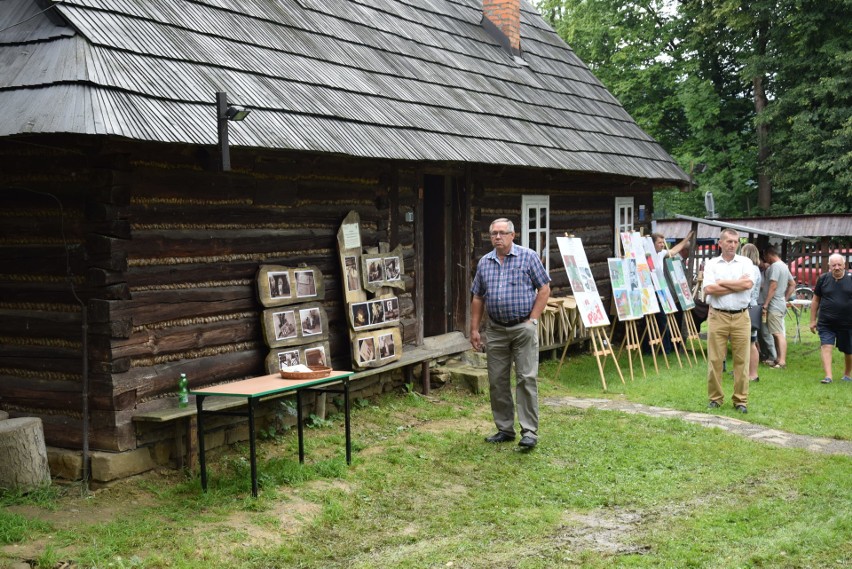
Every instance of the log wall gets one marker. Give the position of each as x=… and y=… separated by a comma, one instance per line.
x=163, y=254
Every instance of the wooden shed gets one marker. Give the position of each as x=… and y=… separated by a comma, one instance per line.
x=119, y=196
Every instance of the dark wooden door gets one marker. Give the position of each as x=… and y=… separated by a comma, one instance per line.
x=444, y=255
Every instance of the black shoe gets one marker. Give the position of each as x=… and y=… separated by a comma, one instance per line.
x=500, y=437
x=714, y=405
x=742, y=409
x=528, y=442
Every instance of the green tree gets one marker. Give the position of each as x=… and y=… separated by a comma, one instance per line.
x=756, y=90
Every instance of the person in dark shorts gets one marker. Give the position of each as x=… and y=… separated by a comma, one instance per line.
x=831, y=315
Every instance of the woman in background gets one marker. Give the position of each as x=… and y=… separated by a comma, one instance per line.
x=754, y=308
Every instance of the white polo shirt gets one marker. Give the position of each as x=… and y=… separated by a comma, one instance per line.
x=718, y=269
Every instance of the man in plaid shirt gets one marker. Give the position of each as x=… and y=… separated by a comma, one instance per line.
x=512, y=285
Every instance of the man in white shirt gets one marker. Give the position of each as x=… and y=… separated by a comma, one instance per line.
x=727, y=289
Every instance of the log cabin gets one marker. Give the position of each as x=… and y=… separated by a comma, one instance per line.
x=135, y=215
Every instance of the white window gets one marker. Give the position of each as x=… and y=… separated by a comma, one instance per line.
x=535, y=226
x=623, y=222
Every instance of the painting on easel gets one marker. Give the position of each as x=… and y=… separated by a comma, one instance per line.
x=582, y=282
x=624, y=278
x=634, y=249
x=674, y=268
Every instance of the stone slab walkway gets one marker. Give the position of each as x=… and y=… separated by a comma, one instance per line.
x=733, y=425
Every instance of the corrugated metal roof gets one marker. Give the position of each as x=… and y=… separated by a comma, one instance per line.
x=794, y=227
x=397, y=79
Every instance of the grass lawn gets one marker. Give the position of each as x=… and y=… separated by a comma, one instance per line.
x=602, y=489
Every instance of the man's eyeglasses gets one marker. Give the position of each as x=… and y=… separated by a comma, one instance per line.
x=499, y=233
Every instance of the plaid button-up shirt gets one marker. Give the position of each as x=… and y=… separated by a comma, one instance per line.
x=509, y=289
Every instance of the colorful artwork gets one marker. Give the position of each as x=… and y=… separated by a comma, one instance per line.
x=582, y=282
x=674, y=269
x=625, y=281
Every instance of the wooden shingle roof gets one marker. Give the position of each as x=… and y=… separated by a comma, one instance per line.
x=394, y=79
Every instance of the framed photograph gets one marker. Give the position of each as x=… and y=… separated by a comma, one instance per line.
x=377, y=312
x=311, y=321
x=295, y=325
x=285, y=324
x=391, y=309
x=392, y=270
x=350, y=269
x=387, y=349
x=289, y=358
x=366, y=350
x=360, y=315
x=294, y=355
x=376, y=348
x=382, y=270
x=278, y=286
x=315, y=356
x=375, y=270
x=305, y=284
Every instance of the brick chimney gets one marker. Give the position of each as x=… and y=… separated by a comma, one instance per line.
x=502, y=19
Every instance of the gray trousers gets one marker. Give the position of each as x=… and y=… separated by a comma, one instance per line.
x=519, y=345
x=765, y=343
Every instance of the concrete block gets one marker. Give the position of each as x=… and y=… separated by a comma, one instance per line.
x=474, y=378
x=237, y=433
x=65, y=463
x=107, y=466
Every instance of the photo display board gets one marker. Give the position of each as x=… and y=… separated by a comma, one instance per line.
x=295, y=324
x=278, y=286
x=582, y=282
x=372, y=309
x=316, y=354
x=677, y=276
x=634, y=249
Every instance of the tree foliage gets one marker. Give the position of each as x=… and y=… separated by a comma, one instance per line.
x=758, y=91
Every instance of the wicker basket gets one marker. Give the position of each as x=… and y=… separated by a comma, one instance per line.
x=316, y=372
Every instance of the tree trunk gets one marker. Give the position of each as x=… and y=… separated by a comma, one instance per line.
x=24, y=465
x=764, y=184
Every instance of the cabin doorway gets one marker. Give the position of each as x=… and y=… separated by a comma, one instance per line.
x=444, y=255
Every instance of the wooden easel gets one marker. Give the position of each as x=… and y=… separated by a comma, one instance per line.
x=676, y=338
x=655, y=339
x=632, y=343
x=692, y=335
x=602, y=347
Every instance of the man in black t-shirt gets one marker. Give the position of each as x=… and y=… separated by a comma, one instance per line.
x=833, y=301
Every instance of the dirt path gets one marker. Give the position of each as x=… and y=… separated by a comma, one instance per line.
x=736, y=426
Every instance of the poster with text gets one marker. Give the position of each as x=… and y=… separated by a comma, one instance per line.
x=582, y=283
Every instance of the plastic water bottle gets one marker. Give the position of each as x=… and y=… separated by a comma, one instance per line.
x=183, y=391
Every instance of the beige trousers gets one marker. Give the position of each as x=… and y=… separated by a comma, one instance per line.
x=724, y=327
